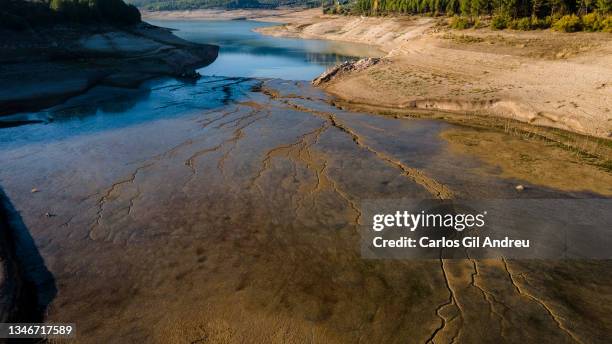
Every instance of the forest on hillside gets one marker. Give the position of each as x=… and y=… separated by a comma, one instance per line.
x=564, y=15
x=22, y=14
x=170, y=5
x=513, y=8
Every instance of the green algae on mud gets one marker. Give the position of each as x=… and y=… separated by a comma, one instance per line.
x=536, y=162
x=590, y=150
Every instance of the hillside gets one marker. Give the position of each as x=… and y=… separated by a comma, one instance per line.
x=539, y=77
x=53, y=51
x=22, y=15
x=164, y=5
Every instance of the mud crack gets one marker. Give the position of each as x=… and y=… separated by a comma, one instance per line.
x=451, y=302
x=550, y=312
x=105, y=197
x=435, y=188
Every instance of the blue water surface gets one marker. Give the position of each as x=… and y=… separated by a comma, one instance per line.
x=244, y=52
x=244, y=57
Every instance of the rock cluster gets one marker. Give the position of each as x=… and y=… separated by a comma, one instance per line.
x=345, y=67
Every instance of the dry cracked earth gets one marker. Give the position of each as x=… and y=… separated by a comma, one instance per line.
x=238, y=224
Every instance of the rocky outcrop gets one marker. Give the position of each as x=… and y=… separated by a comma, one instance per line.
x=345, y=67
x=38, y=71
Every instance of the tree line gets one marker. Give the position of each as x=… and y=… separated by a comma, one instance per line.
x=23, y=14
x=170, y=5
x=514, y=8
x=568, y=15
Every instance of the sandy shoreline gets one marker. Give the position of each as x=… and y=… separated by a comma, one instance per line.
x=540, y=77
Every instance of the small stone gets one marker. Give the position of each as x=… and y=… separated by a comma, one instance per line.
x=34, y=190
x=520, y=187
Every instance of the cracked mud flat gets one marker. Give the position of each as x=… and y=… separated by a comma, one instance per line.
x=232, y=218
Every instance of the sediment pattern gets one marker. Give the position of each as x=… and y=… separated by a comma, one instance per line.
x=241, y=223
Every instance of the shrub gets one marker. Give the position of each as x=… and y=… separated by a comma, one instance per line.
x=592, y=22
x=521, y=24
x=500, y=21
x=117, y=11
x=461, y=23
x=597, y=22
x=478, y=23
x=605, y=6
x=111, y=11
x=568, y=23
x=607, y=24
x=545, y=22
x=330, y=10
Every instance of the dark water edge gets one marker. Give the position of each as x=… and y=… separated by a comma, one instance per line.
x=39, y=70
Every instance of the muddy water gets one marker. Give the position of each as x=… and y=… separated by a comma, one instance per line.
x=226, y=211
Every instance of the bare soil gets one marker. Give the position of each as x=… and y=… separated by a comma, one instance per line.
x=540, y=77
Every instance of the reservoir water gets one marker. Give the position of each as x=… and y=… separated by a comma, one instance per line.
x=246, y=53
x=243, y=54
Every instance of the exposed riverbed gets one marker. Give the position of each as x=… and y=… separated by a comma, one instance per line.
x=226, y=210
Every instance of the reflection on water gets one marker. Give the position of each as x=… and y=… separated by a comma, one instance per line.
x=104, y=99
x=247, y=53
x=104, y=108
x=243, y=54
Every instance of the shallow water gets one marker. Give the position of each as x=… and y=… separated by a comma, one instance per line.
x=243, y=54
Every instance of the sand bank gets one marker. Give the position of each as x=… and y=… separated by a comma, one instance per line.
x=540, y=77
